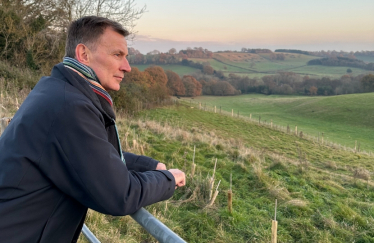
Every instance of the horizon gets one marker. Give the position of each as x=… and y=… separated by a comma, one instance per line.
x=270, y=24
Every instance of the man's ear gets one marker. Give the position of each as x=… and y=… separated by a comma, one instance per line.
x=82, y=54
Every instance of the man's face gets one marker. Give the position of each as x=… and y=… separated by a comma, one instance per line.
x=109, y=60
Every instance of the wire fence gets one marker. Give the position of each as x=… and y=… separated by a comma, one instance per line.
x=319, y=139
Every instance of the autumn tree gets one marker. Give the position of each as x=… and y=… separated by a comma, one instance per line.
x=154, y=52
x=223, y=88
x=172, y=51
x=135, y=76
x=313, y=90
x=175, y=84
x=207, y=69
x=192, y=86
x=158, y=75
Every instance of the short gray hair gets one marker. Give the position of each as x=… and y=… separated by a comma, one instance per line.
x=88, y=30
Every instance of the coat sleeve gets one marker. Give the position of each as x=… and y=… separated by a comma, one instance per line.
x=79, y=160
x=139, y=163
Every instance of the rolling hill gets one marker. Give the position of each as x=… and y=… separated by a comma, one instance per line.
x=343, y=119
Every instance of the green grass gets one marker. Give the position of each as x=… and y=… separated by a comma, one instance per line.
x=216, y=65
x=343, y=119
x=262, y=65
x=179, y=69
x=325, y=71
x=319, y=200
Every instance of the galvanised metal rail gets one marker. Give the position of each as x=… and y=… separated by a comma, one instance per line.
x=89, y=235
x=157, y=229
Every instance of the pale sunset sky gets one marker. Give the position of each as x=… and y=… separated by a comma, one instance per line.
x=230, y=25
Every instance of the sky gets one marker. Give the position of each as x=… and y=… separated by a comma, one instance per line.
x=311, y=25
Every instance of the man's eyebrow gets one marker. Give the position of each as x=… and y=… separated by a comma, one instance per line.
x=120, y=52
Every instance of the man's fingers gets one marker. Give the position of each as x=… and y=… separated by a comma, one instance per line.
x=179, y=176
x=161, y=166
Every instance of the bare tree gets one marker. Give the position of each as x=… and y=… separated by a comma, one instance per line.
x=122, y=11
x=38, y=27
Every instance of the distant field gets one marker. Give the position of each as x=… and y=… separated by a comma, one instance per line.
x=325, y=71
x=259, y=65
x=343, y=119
x=179, y=69
x=367, y=59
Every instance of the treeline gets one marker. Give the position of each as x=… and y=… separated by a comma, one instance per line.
x=140, y=90
x=342, y=53
x=255, y=51
x=342, y=61
x=286, y=83
x=292, y=51
x=329, y=54
x=170, y=57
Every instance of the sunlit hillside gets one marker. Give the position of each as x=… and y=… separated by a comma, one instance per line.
x=343, y=119
x=324, y=194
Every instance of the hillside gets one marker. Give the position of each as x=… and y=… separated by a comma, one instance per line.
x=258, y=65
x=324, y=194
x=343, y=119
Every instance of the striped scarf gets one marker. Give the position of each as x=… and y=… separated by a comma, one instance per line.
x=89, y=75
x=92, y=80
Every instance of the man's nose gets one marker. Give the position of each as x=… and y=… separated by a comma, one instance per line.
x=125, y=66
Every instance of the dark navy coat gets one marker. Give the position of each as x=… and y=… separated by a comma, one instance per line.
x=59, y=156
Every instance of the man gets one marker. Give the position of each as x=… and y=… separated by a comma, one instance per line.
x=61, y=153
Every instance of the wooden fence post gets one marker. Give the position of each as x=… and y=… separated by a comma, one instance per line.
x=229, y=196
x=274, y=226
x=193, y=162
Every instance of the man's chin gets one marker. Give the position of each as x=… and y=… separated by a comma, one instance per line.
x=116, y=88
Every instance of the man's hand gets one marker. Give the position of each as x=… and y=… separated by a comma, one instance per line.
x=179, y=176
x=161, y=166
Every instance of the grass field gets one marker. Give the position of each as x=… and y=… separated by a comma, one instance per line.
x=343, y=119
x=259, y=65
x=320, y=191
x=324, y=71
